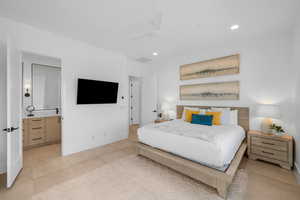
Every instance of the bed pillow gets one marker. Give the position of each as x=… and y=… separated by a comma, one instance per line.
x=225, y=116
x=234, y=120
x=189, y=113
x=187, y=108
x=202, y=119
x=216, y=117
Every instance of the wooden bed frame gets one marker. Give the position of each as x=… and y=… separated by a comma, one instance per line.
x=212, y=177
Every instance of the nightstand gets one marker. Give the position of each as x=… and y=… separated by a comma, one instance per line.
x=161, y=120
x=272, y=148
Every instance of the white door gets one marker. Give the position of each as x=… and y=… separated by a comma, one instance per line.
x=134, y=85
x=3, y=107
x=13, y=113
x=149, y=99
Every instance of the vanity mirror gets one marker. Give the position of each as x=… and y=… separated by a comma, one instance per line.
x=46, y=87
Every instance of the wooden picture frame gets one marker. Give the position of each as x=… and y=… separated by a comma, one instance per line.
x=227, y=65
x=211, y=91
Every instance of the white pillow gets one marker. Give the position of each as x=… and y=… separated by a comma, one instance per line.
x=225, y=116
x=188, y=108
x=234, y=120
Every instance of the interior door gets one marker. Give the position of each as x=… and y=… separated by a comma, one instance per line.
x=14, y=149
x=134, y=101
x=149, y=99
x=3, y=106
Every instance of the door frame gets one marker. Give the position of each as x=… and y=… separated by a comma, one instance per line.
x=61, y=88
x=3, y=136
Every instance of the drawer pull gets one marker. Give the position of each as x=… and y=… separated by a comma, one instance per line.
x=268, y=153
x=36, y=128
x=34, y=139
x=36, y=120
x=268, y=143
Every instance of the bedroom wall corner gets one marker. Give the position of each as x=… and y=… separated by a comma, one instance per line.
x=296, y=65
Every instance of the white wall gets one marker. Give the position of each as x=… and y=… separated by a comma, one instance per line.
x=84, y=126
x=296, y=63
x=266, y=75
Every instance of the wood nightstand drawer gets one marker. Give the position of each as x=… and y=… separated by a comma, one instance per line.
x=276, y=149
x=269, y=143
x=161, y=120
x=270, y=153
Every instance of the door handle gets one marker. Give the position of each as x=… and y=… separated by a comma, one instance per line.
x=9, y=130
x=13, y=129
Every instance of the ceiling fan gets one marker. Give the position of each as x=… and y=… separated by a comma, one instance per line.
x=149, y=29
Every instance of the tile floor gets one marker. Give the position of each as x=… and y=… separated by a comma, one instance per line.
x=44, y=169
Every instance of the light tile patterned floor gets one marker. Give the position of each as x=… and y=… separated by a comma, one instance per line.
x=92, y=175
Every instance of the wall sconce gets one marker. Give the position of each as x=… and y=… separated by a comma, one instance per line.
x=27, y=89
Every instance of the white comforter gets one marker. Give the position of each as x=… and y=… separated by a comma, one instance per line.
x=212, y=134
x=211, y=145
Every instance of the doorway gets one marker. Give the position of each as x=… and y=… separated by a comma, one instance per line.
x=134, y=106
x=30, y=105
x=41, y=110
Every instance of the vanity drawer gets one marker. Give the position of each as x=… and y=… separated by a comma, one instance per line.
x=37, y=140
x=36, y=136
x=37, y=133
x=269, y=143
x=270, y=153
x=37, y=122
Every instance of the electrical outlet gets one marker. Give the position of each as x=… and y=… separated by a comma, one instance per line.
x=93, y=137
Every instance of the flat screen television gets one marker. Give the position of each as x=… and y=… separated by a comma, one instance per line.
x=96, y=92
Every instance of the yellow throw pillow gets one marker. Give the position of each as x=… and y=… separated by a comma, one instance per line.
x=216, y=117
x=189, y=113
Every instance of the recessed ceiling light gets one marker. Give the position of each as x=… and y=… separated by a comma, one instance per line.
x=234, y=27
x=155, y=53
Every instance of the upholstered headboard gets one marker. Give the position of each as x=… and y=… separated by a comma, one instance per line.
x=243, y=113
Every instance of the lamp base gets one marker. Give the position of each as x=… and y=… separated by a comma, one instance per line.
x=265, y=125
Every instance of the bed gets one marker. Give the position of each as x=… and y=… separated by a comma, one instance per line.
x=212, y=159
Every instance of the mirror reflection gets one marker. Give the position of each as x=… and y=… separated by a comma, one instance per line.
x=46, y=84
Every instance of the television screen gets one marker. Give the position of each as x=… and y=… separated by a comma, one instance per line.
x=96, y=92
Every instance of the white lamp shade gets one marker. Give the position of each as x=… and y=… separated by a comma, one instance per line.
x=268, y=111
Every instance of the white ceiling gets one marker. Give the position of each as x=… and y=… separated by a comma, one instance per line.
x=139, y=27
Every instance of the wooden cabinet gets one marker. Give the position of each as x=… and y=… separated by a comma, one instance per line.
x=271, y=148
x=36, y=131
x=41, y=131
x=53, y=129
x=25, y=133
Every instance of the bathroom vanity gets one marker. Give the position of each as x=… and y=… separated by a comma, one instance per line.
x=39, y=131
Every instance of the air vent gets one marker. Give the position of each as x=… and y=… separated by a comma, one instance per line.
x=143, y=59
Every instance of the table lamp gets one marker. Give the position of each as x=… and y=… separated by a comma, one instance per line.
x=268, y=112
